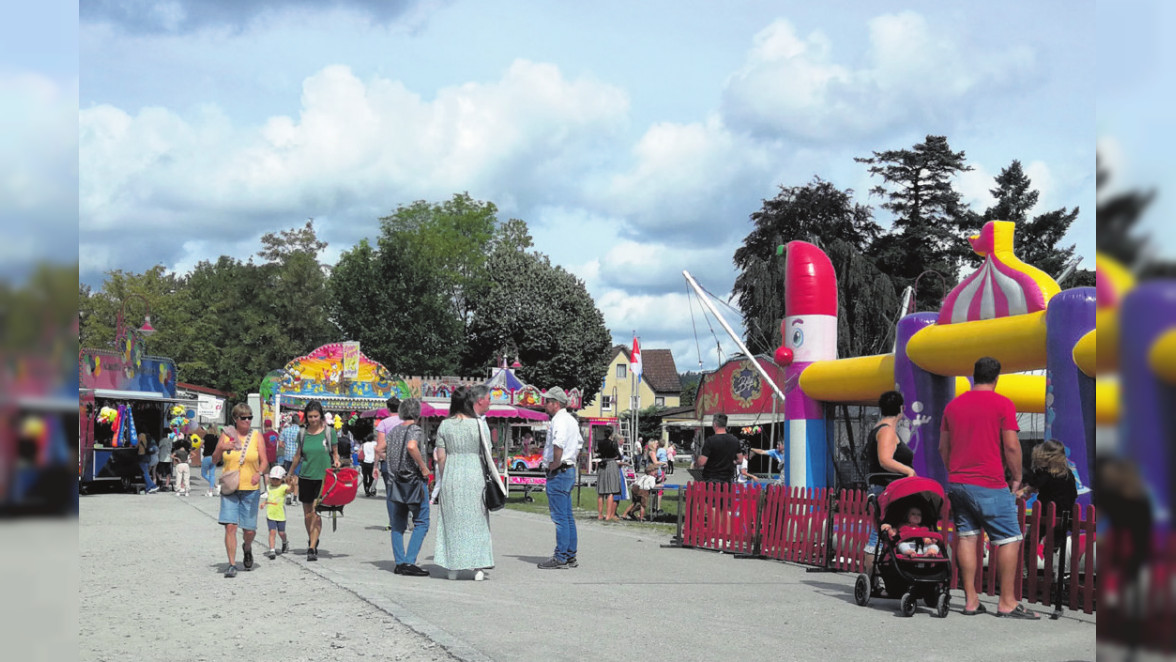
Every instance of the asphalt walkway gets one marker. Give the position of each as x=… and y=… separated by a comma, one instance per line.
x=160, y=558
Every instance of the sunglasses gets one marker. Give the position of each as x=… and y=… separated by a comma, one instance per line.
x=244, y=418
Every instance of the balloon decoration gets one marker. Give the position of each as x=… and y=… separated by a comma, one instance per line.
x=752, y=430
x=179, y=419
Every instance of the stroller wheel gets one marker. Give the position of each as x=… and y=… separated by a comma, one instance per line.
x=941, y=605
x=908, y=604
x=861, y=590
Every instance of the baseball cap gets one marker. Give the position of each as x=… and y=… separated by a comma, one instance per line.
x=277, y=472
x=556, y=393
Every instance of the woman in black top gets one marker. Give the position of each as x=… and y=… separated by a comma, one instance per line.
x=1051, y=478
x=886, y=453
x=608, y=476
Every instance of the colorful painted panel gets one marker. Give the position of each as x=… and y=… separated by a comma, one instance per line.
x=103, y=369
x=320, y=373
x=738, y=388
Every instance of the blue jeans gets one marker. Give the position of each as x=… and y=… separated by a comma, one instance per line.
x=145, y=466
x=398, y=518
x=559, y=500
x=208, y=471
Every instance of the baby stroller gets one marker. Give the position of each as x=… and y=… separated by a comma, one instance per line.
x=917, y=572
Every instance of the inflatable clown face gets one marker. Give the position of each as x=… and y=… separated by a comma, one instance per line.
x=809, y=329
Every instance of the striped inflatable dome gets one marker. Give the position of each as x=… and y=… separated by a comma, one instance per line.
x=1002, y=286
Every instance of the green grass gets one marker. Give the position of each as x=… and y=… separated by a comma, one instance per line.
x=585, y=509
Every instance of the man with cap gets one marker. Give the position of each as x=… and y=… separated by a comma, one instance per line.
x=559, y=460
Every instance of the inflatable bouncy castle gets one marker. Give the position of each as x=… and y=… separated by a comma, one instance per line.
x=1006, y=309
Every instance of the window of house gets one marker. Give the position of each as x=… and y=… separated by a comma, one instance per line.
x=622, y=371
x=606, y=402
x=659, y=401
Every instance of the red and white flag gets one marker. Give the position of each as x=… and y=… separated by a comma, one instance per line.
x=635, y=362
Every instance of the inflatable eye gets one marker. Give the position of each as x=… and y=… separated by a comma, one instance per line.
x=797, y=337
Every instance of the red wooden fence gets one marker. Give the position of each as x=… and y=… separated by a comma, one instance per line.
x=790, y=524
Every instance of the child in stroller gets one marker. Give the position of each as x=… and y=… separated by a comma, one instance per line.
x=914, y=538
x=908, y=558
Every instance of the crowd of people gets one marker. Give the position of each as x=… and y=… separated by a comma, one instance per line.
x=445, y=488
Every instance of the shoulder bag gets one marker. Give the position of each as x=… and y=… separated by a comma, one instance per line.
x=406, y=486
x=491, y=493
x=231, y=480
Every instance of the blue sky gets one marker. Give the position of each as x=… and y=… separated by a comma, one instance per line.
x=634, y=138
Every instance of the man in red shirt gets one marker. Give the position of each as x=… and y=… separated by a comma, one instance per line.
x=980, y=448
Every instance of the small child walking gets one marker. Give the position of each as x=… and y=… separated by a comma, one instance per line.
x=275, y=510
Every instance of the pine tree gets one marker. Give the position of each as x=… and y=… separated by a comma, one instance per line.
x=930, y=221
x=1036, y=239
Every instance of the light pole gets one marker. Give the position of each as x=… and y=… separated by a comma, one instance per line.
x=120, y=329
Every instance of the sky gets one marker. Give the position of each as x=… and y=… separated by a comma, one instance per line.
x=635, y=139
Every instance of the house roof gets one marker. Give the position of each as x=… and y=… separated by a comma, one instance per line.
x=204, y=389
x=657, y=368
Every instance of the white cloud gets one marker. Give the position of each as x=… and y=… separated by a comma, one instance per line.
x=910, y=74
x=354, y=146
x=690, y=182
x=38, y=168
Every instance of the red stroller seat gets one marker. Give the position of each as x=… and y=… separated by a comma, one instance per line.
x=339, y=488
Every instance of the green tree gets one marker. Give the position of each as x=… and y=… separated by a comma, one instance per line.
x=162, y=295
x=1037, y=239
x=1115, y=221
x=930, y=221
x=454, y=237
x=545, y=316
x=690, y=381
x=649, y=421
x=395, y=302
x=276, y=247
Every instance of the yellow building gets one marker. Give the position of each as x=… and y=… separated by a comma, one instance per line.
x=660, y=384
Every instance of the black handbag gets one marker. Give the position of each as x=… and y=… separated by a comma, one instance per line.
x=406, y=486
x=491, y=493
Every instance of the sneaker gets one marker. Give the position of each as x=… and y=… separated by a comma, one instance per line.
x=399, y=569
x=312, y=555
x=479, y=576
x=285, y=546
x=412, y=570
x=573, y=563
x=271, y=555
x=248, y=559
x=552, y=564
x=153, y=490
x=231, y=572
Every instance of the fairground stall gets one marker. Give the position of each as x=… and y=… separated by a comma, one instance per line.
x=122, y=393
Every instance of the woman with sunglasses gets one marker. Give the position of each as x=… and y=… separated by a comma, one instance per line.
x=317, y=450
x=242, y=450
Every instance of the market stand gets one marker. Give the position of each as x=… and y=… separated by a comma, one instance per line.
x=143, y=389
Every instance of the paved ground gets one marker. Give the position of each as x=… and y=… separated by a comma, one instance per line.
x=151, y=571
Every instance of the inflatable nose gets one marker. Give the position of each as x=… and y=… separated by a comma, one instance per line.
x=783, y=356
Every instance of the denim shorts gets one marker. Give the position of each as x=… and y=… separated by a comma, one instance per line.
x=240, y=508
x=276, y=524
x=994, y=510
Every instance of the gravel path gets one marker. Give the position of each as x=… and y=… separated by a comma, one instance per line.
x=182, y=608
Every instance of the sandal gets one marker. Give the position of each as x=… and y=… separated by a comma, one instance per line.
x=1019, y=612
x=980, y=609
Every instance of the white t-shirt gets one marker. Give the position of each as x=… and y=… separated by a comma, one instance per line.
x=645, y=482
x=739, y=469
x=369, y=451
x=562, y=431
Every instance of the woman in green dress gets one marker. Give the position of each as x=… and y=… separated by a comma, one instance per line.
x=463, y=522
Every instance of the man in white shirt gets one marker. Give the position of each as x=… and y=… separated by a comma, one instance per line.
x=559, y=460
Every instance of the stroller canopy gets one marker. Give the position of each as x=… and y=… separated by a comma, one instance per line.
x=922, y=489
